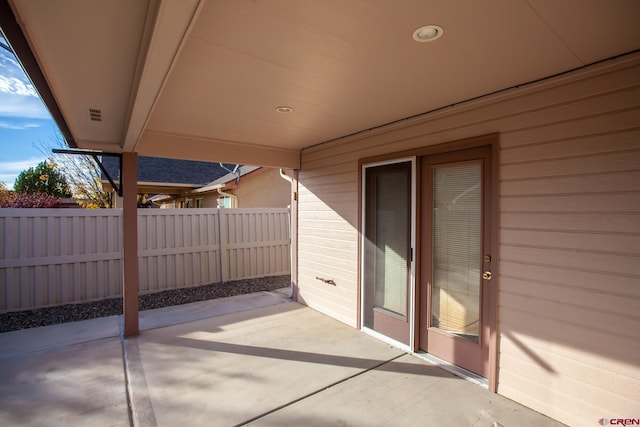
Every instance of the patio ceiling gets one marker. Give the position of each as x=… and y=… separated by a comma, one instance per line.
x=201, y=79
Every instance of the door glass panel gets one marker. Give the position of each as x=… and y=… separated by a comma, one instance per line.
x=386, y=266
x=457, y=219
x=392, y=244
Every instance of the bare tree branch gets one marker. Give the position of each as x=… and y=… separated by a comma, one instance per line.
x=82, y=173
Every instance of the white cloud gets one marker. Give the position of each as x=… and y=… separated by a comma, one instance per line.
x=9, y=170
x=15, y=125
x=18, y=97
x=15, y=86
x=19, y=165
x=6, y=61
x=28, y=107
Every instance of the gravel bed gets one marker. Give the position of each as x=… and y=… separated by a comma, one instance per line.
x=109, y=307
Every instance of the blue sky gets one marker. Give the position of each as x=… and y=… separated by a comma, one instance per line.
x=24, y=120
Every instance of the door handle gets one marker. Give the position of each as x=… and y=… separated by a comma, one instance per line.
x=486, y=275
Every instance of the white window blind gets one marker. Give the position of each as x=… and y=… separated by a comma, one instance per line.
x=457, y=227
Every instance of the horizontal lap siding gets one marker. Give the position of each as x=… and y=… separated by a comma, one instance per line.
x=327, y=232
x=569, y=238
x=570, y=262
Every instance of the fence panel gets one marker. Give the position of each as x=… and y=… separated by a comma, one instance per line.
x=57, y=256
x=50, y=257
x=255, y=243
x=177, y=248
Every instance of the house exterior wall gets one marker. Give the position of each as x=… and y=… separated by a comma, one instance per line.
x=264, y=188
x=569, y=233
x=210, y=200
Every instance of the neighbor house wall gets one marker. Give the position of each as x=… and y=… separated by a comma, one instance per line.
x=264, y=188
x=569, y=240
x=210, y=200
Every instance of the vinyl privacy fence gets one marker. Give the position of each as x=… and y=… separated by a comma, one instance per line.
x=50, y=257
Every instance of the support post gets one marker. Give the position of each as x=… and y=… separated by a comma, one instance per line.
x=129, y=184
x=294, y=236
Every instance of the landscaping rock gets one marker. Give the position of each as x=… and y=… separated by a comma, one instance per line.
x=110, y=307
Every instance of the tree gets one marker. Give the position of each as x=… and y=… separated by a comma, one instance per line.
x=83, y=174
x=5, y=196
x=143, y=201
x=44, y=178
x=11, y=199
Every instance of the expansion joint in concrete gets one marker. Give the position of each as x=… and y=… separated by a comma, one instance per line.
x=320, y=390
x=138, y=401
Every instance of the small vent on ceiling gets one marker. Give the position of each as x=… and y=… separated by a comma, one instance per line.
x=95, y=114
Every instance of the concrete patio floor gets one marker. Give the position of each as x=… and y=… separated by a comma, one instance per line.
x=255, y=359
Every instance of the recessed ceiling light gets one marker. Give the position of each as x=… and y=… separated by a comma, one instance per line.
x=428, y=33
x=283, y=109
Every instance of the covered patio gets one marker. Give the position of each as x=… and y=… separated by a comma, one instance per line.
x=258, y=359
x=546, y=108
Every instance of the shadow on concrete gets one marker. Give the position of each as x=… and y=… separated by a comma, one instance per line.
x=310, y=357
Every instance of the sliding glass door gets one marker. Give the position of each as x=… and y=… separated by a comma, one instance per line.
x=388, y=249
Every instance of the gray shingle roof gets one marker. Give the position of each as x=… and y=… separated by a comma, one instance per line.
x=170, y=171
x=242, y=171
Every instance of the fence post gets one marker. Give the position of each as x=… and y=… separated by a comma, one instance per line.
x=223, y=236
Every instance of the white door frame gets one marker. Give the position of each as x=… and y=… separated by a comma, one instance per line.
x=412, y=271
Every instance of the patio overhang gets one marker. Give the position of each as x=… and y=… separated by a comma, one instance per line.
x=203, y=80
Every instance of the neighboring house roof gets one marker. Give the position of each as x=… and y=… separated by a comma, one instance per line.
x=229, y=177
x=170, y=171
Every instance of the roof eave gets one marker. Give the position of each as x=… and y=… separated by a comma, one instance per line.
x=21, y=48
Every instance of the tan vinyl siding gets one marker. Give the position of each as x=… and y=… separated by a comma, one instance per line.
x=329, y=234
x=569, y=281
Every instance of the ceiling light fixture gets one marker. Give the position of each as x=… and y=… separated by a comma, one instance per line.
x=284, y=109
x=428, y=33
